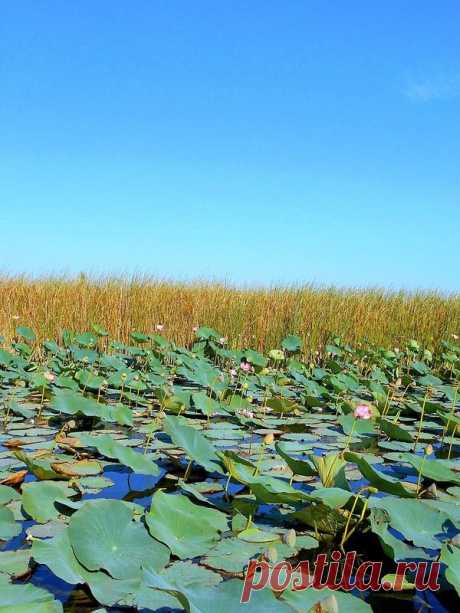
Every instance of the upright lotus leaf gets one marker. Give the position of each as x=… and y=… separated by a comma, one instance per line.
x=298, y=467
x=99, y=330
x=432, y=469
x=321, y=518
x=450, y=556
x=208, y=406
x=292, y=343
x=87, y=339
x=283, y=405
x=39, y=498
x=196, y=446
x=73, y=403
x=417, y=522
x=104, y=536
x=188, y=529
x=120, y=413
x=377, y=479
x=277, y=355
x=26, y=333
x=393, y=546
x=205, y=333
x=109, y=448
x=334, y=497
x=240, y=469
x=255, y=358
x=330, y=469
x=356, y=426
x=395, y=432
x=271, y=490
x=89, y=380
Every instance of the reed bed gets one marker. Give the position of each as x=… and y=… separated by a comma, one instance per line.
x=255, y=317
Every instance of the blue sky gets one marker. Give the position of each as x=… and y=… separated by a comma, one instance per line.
x=253, y=142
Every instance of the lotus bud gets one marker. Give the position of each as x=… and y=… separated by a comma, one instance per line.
x=429, y=449
x=289, y=538
x=269, y=438
x=270, y=554
x=432, y=491
x=456, y=540
x=330, y=605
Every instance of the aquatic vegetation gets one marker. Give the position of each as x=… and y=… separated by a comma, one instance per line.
x=148, y=475
x=261, y=318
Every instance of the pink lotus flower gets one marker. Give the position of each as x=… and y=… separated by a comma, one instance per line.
x=159, y=327
x=49, y=376
x=195, y=329
x=246, y=367
x=362, y=411
x=246, y=413
x=223, y=340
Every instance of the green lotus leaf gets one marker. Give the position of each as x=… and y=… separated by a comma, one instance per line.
x=416, y=521
x=109, y=448
x=432, y=469
x=395, y=432
x=58, y=555
x=8, y=526
x=377, y=479
x=292, y=343
x=26, y=333
x=7, y=494
x=104, y=536
x=39, y=497
x=14, y=563
x=196, y=446
x=27, y=598
x=187, y=529
x=324, y=600
x=393, y=546
x=450, y=556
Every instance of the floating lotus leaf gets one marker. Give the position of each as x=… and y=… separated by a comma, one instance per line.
x=27, y=599
x=324, y=600
x=14, y=563
x=108, y=447
x=104, y=536
x=8, y=526
x=39, y=498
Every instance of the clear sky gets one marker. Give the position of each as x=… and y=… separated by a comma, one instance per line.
x=248, y=141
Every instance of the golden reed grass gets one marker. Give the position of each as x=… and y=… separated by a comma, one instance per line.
x=258, y=318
